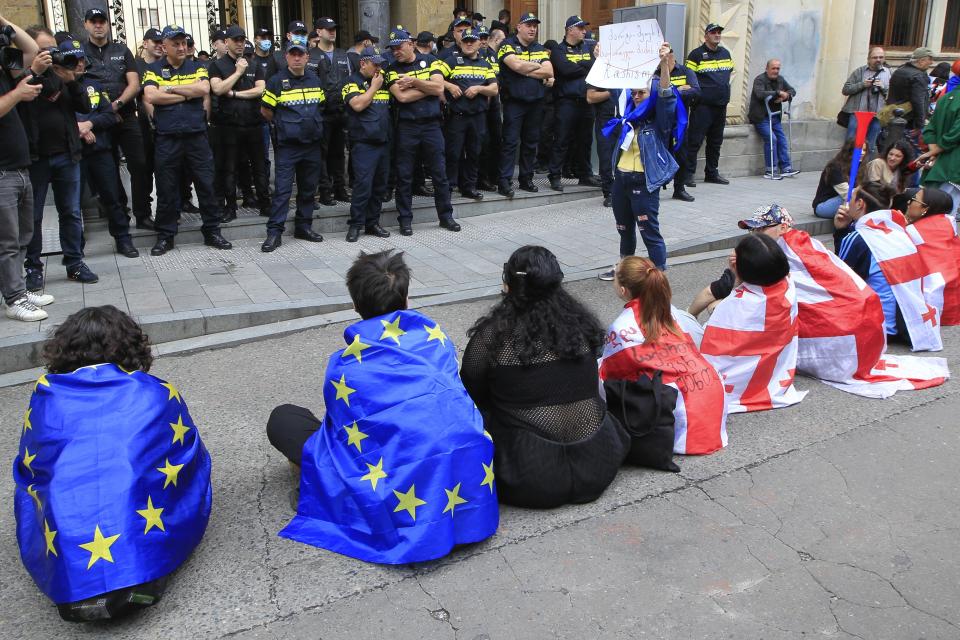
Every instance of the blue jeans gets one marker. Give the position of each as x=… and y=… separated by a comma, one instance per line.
x=63, y=174
x=873, y=132
x=828, y=208
x=781, y=147
x=633, y=207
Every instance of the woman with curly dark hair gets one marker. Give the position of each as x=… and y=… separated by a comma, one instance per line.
x=113, y=481
x=531, y=367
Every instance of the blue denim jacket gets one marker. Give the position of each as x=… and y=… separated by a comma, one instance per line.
x=654, y=138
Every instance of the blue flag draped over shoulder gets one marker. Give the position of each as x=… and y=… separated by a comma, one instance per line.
x=112, y=482
x=632, y=115
x=401, y=468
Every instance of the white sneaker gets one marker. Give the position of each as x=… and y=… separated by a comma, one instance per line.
x=769, y=175
x=39, y=299
x=24, y=310
x=789, y=173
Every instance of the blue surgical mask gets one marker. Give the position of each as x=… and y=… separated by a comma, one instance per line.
x=264, y=45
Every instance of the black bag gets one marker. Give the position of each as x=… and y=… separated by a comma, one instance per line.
x=645, y=409
x=114, y=604
x=843, y=119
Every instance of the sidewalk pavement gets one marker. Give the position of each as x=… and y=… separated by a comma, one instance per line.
x=581, y=233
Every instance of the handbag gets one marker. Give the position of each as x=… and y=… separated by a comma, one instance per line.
x=645, y=409
x=843, y=119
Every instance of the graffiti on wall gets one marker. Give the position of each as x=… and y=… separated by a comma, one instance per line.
x=791, y=35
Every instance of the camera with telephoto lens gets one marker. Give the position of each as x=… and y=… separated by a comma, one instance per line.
x=60, y=59
x=875, y=88
x=11, y=58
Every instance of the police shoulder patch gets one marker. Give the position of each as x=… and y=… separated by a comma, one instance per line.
x=91, y=91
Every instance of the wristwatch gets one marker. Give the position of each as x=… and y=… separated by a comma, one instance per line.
x=119, y=103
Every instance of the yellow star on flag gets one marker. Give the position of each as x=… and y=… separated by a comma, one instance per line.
x=436, y=334
x=453, y=499
x=42, y=380
x=171, y=471
x=36, y=498
x=488, y=476
x=408, y=501
x=152, y=516
x=486, y=434
x=28, y=460
x=99, y=547
x=392, y=330
x=355, y=436
x=355, y=349
x=49, y=536
x=343, y=391
x=173, y=392
x=179, y=429
x=26, y=420
x=375, y=473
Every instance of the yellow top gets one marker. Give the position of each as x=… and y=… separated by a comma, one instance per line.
x=630, y=160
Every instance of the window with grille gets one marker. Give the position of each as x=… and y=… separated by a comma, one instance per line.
x=899, y=24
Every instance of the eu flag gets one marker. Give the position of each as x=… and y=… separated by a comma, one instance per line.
x=401, y=469
x=112, y=482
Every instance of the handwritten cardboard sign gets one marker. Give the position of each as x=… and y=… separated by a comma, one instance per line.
x=629, y=55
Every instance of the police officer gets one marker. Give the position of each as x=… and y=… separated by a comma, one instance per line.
x=294, y=101
x=417, y=86
x=361, y=40
x=239, y=86
x=114, y=67
x=490, y=152
x=469, y=82
x=687, y=84
x=333, y=67
x=525, y=73
x=177, y=89
x=572, y=59
x=265, y=59
x=367, y=102
x=604, y=109
x=151, y=51
x=295, y=28
x=98, y=166
x=460, y=25
x=713, y=65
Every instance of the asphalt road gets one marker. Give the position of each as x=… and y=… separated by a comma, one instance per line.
x=838, y=517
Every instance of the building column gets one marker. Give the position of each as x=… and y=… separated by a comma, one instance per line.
x=938, y=16
x=76, y=9
x=422, y=15
x=375, y=17
x=842, y=49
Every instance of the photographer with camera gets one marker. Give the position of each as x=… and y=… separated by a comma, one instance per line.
x=16, y=193
x=866, y=90
x=55, y=150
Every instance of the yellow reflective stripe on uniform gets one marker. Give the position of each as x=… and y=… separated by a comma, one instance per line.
x=382, y=96
x=693, y=66
x=269, y=99
x=678, y=81
x=176, y=79
x=712, y=65
x=504, y=50
x=577, y=57
x=536, y=56
x=391, y=76
x=443, y=67
x=480, y=73
x=350, y=87
x=301, y=96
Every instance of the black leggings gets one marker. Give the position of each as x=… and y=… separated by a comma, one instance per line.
x=288, y=429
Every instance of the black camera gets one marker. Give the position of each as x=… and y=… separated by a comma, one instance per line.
x=11, y=58
x=60, y=59
x=875, y=88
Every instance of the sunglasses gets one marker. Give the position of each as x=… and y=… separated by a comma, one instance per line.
x=919, y=202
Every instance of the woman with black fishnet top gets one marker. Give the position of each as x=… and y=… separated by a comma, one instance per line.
x=531, y=367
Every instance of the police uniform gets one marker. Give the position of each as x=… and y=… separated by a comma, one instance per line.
x=268, y=64
x=239, y=136
x=369, y=132
x=713, y=70
x=573, y=117
x=490, y=152
x=466, y=117
x=181, y=144
x=418, y=128
x=522, y=110
x=297, y=105
x=333, y=71
x=680, y=77
x=98, y=167
x=603, y=112
x=109, y=65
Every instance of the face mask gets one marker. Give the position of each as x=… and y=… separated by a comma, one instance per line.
x=264, y=45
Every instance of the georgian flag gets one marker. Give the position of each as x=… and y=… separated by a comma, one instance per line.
x=700, y=417
x=885, y=234
x=939, y=247
x=842, y=339
x=751, y=339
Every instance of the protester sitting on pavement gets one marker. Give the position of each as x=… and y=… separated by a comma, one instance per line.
x=934, y=231
x=873, y=241
x=770, y=92
x=400, y=469
x=892, y=168
x=643, y=161
x=834, y=182
x=531, y=367
x=866, y=90
x=98, y=529
x=751, y=338
x=649, y=337
x=942, y=135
